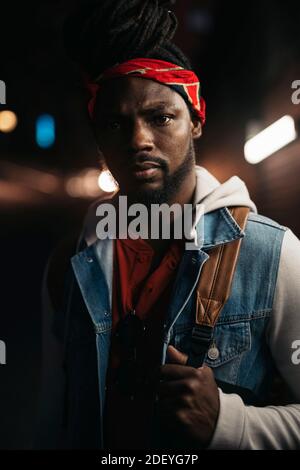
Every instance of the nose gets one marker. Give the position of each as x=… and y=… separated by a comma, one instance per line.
x=141, y=137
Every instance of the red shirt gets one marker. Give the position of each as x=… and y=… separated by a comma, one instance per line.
x=127, y=421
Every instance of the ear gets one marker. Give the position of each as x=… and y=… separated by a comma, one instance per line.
x=196, y=128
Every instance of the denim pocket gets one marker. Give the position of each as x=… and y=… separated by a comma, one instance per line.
x=230, y=341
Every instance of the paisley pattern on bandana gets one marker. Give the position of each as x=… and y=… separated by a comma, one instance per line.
x=181, y=80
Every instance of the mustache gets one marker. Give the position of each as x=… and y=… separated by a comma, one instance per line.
x=144, y=157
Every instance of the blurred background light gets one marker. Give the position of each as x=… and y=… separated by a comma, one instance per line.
x=73, y=186
x=43, y=182
x=19, y=178
x=45, y=131
x=107, y=182
x=270, y=140
x=8, y=121
x=85, y=184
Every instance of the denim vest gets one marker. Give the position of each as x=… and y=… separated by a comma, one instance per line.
x=244, y=359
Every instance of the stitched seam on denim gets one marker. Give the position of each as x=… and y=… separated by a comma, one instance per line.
x=101, y=328
x=277, y=270
x=278, y=227
x=250, y=316
x=230, y=220
x=229, y=320
x=221, y=242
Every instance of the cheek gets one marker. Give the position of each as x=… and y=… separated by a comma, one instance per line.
x=176, y=145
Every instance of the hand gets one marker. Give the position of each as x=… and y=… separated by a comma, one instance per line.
x=188, y=401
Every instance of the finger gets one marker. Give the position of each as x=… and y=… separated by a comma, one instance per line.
x=175, y=356
x=206, y=373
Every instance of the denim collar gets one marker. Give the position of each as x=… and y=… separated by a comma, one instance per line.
x=216, y=228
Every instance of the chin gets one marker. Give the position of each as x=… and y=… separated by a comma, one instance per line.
x=143, y=188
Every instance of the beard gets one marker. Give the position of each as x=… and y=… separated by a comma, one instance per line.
x=170, y=186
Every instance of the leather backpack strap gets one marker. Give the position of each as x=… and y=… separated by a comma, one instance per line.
x=213, y=290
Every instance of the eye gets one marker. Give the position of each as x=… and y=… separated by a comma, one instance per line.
x=113, y=125
x=163, y=119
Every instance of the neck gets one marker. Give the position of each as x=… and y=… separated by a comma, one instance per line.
x=186, y=191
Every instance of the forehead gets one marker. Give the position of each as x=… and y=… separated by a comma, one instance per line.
x=135, y=92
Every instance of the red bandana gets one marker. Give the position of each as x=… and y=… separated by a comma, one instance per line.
x=183, y=81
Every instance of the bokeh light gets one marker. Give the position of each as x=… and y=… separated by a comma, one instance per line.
x=84, y=184
x=270, y=140
x=107, y=182
x=45, y=131
x=8, y=121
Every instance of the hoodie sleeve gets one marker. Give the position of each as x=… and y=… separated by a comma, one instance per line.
x=271, y=427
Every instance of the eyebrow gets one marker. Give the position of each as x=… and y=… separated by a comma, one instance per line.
x=160, y=104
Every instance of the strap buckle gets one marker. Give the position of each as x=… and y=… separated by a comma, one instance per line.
x=202, y=336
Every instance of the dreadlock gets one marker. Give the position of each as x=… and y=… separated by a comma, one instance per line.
x=104, y=33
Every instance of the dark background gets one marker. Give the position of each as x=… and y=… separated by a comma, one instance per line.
x=246, y=55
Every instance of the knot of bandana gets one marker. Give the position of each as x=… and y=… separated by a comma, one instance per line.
x=181, y=80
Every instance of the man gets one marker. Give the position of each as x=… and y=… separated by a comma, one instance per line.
x=117, y=348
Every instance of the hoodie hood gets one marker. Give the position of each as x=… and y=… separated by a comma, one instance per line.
x=213, y=195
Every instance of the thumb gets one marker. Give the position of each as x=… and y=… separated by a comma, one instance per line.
x=175, y=356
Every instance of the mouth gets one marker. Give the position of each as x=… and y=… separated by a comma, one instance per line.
x=145, y=170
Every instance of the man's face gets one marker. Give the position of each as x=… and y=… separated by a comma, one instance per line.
x=145, y=132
